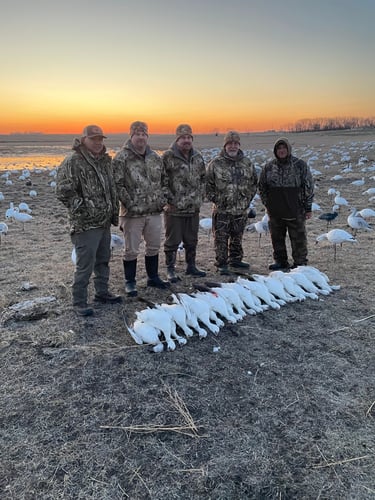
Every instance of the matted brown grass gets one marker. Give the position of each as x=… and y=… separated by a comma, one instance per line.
x=285, y=409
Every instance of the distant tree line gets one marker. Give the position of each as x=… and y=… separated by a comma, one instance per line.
x=324, y=124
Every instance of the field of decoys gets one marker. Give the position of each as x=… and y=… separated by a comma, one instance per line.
x=296, y=341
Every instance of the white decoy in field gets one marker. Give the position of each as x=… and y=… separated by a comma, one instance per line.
x=356, y=222
x=359, y=182
x=180, y=251
x=339, y=200
x=3, y=230
x=10, y=211
x=367, y=213
x=21, y=217
x=260, y=227
x=116, y=242
x=315, y=207
x=336, y=237
x=331, y=191
x=206, y=225
x=24, y=207
x=33, y=193
x=369, y=191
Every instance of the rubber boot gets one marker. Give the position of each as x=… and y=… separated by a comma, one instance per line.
x=152, y=267
x=170, y=261
x=190, y=261
x=130, y=270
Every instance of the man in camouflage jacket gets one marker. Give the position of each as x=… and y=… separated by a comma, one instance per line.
x=85, y=186
x=139, y=174
x=287, y=191
x=231, y=184
x=185, y=186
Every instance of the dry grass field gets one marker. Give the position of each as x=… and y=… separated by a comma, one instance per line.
x=280, y=405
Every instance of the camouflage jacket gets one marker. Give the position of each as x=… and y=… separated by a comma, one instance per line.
x=231, y=183
x=185, y=181
x=286, y=187
x=85, y=186
x=139, y=181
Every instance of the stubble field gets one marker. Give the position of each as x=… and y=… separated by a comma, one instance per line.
x=280, y=405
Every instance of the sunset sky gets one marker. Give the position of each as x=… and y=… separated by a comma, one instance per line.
x=251, y=65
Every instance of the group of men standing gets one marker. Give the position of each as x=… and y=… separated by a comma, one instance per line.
x=135, y=188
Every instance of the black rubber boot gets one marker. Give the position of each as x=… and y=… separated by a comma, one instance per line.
x=170, y=261
x=152, y=268
x=130, y=270
x=190, y=261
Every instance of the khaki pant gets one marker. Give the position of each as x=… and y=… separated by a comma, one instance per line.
x=147, y=227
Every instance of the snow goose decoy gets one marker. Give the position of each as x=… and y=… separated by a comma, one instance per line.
x=339, y=200
x=366, y=213
x=356, y=222
x=3, y=230
x=336, y=237
x=206, y=225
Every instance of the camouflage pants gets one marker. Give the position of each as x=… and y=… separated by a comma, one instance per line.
x=296, y=229
x=228, y=232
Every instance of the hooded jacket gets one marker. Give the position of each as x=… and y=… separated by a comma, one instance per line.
x=85, y=186
x=231, y=183
x=185, y=181
x=139, y=181
x=286, y=186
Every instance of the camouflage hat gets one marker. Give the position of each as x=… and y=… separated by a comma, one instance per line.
x=138, y=127
x=231, y=136
x=183, y=129
x=93, y=131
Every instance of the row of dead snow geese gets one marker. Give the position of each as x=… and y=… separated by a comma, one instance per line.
x=206, y=309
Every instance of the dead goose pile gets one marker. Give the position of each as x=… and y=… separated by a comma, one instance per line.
x=206, y=309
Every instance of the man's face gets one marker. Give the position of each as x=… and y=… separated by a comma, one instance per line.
x=232, y=148
x=282, y=151
x=185, y=143
x=139, y=140
x=94, y=144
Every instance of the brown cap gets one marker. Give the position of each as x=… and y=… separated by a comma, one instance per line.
x=183, y=129
x=93, y=131
x=231, y=136
x=138, y=127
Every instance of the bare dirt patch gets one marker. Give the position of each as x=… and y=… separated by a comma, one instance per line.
x=284, y=409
